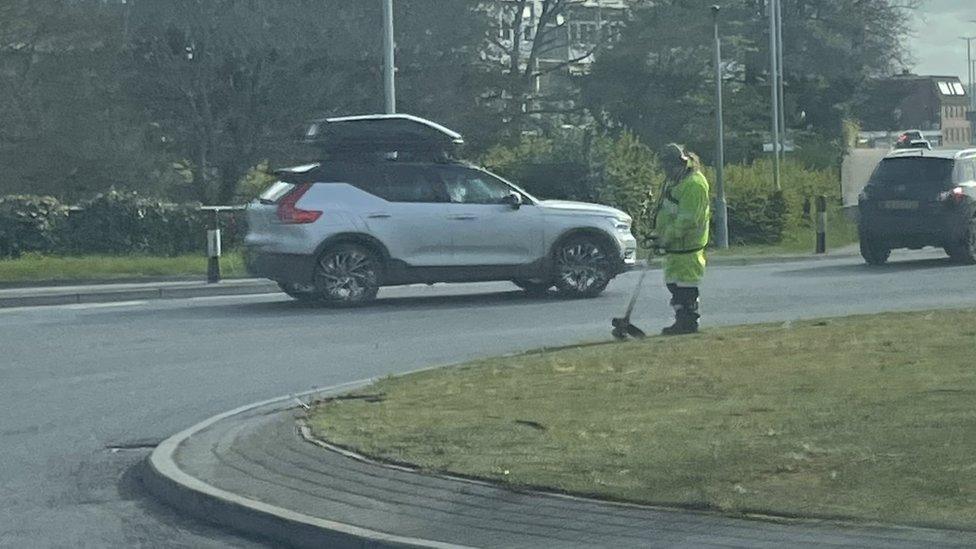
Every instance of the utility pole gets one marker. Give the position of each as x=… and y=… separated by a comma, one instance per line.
x=969, y=91
x=721, y=205
x=389, y=59
x=781, y=73
x=774, y=86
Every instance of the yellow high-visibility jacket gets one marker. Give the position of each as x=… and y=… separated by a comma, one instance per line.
x=682, y=225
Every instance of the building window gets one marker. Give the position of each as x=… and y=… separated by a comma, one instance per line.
x=957, y=87
x=583, y=33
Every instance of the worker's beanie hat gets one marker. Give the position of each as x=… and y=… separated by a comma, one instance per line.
x=674, y=155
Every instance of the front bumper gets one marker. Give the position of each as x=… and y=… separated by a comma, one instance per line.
x=628, y=252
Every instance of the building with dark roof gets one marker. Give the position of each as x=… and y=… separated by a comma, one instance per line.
x=915, y=102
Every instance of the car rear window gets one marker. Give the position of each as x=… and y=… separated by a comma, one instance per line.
x=404, y=184
x=914, y=171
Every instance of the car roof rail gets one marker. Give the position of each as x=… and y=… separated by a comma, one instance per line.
x=907, y=152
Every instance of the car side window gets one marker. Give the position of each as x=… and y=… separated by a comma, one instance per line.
x=467, y=186
x=403, y=184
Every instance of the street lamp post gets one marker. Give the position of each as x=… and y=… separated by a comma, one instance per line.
x=389, y=59
x=774, y=85
x=721, y=205
x=780, y=74
x=969, y=90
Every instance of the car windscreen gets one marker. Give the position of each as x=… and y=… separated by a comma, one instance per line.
x=915, y=171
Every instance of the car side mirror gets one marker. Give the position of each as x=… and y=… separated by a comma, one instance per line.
x=513, y=200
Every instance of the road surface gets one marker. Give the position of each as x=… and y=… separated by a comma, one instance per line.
x=86, y=390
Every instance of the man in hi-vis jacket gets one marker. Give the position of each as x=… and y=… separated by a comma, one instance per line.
x=681, y=230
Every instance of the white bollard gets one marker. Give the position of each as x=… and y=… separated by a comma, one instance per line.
x=213, y=256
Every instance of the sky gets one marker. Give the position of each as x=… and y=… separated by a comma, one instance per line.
x=936, y=44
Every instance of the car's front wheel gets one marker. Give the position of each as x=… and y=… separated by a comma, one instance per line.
x=965, y=252
x=347, y=275
x=874, y=253
x=583, y=267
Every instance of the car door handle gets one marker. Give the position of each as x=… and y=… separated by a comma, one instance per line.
x=463, y=217
x=378, y=215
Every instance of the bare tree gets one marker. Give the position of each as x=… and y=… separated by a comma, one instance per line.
x=531, y=40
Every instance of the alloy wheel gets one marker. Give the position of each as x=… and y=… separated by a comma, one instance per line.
x=347, y=276
x=582, y=268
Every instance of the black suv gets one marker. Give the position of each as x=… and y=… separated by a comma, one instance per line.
x=917, y=198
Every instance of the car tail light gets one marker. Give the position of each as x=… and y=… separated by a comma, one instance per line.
x=956, y=196
x=291, y=214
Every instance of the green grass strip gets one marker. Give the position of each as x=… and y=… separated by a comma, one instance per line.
x=868, y=417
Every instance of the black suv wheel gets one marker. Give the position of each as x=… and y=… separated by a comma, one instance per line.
x=965, y=252
x=347, y=275
x=583, y=267
x=874, y=253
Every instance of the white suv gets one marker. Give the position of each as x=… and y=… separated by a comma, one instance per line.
x=335, y=232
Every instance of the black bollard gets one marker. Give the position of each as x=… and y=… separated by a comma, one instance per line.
x=821, y=224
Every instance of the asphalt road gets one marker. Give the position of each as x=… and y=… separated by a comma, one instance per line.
x=86, y=390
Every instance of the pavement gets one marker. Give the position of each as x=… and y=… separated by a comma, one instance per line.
x=88, y=390
x=253, y=471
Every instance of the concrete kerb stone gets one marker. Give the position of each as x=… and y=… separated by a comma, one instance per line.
x=109, y=295
x=164, y=478
x=168, y=482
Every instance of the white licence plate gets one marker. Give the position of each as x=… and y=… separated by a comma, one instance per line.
x=900, y=205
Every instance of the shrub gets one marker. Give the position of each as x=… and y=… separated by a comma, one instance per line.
x=122, y=222
x=550, y=168
x=630, y=171
x=578, y=166
x=30, y=224
x=758, y=214
x=254, y=182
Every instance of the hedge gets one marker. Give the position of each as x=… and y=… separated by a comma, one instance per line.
x=620, y=172
x=624, y=173
x=30, y=224
x=758, y=213
x=112, y=223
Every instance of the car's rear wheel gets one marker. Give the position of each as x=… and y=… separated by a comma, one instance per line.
x=347, y=275
x=583, y=267
x=965, y=252
x=533, y=287
x=874, y=253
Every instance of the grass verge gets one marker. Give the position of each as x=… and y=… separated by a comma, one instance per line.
x=57, y=268
x=863, y=418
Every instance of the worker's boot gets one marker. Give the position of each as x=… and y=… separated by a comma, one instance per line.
x=685, y=319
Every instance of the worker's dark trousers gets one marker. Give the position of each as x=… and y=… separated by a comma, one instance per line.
x=684, y=301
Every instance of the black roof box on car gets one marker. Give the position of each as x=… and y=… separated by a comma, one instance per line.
x=381, y=133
